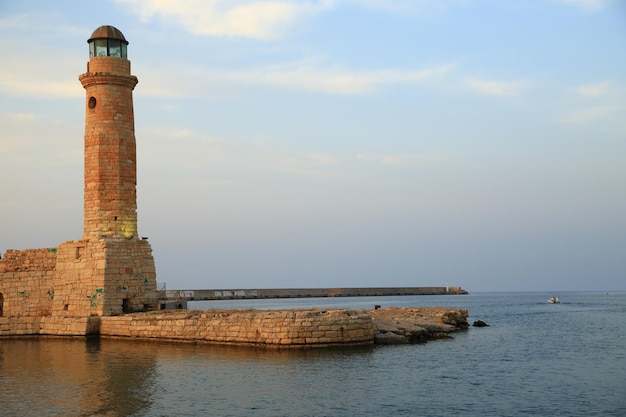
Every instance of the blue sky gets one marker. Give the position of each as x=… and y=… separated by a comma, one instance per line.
x=337, y=142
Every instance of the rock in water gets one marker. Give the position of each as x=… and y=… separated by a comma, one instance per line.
x=389, y=338
x=480, y=323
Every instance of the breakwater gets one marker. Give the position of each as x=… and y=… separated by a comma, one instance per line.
x=231, y=294
x=277, y=328
x=261, y=328
x=289, y=328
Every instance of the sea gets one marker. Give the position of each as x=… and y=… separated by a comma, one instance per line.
x=535, y=359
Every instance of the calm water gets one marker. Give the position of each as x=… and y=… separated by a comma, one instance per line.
x=536, y=359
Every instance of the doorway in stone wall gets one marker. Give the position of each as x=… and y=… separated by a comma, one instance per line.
x=1, y=303
x=125, y=306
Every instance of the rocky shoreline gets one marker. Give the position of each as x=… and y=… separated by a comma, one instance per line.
x=393, y=325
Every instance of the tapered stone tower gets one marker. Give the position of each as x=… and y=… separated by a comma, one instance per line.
x=110, y=151
x=111, y=269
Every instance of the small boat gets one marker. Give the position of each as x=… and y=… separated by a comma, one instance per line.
x=553, y=300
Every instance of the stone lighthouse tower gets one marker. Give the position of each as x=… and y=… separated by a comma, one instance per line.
x=110, y=152
x=111, y=269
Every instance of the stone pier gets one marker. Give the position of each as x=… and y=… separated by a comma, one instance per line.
x=258, y=328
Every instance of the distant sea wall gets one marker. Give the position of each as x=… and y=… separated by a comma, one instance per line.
x=229, y=294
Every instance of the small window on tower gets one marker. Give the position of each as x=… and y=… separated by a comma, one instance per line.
x=92, y=102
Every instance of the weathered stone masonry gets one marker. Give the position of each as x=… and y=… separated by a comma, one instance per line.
x=110, y=270
x=27, y=282
x=274, y=328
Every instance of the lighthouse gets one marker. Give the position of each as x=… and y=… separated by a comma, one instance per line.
x=111, y=269
x=110, y=198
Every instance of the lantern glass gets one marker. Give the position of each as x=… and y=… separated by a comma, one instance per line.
x=115, y=47
x=101, y=47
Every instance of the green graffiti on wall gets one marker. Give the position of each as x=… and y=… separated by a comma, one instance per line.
x=96, y=298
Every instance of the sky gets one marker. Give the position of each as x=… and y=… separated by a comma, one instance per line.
x=337, y=143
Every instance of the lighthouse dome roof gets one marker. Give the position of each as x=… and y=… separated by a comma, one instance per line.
x=107, y=32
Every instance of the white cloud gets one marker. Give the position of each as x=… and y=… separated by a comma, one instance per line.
x=298, y=76
x=336, y=80
x=593, y=90
x=36, y=86
x=38, y=140
x=37, y=23
x=20, y=73
x=495, y=88
x=19, y=117
x=392, y=5
x=260, y=19
x=591, y=114
x=27, y=70
x=408, y=159
x=388, y=159
x=591, y=5
x=322, y=159
x=198, y=153
x=251, y=19
x=294, y=162
x=408, y=6
x=599, y=102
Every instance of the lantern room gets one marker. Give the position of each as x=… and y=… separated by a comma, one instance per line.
x=107, y=41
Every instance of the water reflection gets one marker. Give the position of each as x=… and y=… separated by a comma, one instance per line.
x=128, y=375
x=94, y=377
x=77, y=377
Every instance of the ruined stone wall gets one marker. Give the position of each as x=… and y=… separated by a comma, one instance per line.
x=49, y=325
x=69, y=326
x=27, y=282
x=104, y=277
x=19, y=326
x=78, y=279
x=130, y=277
x=284, y=328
